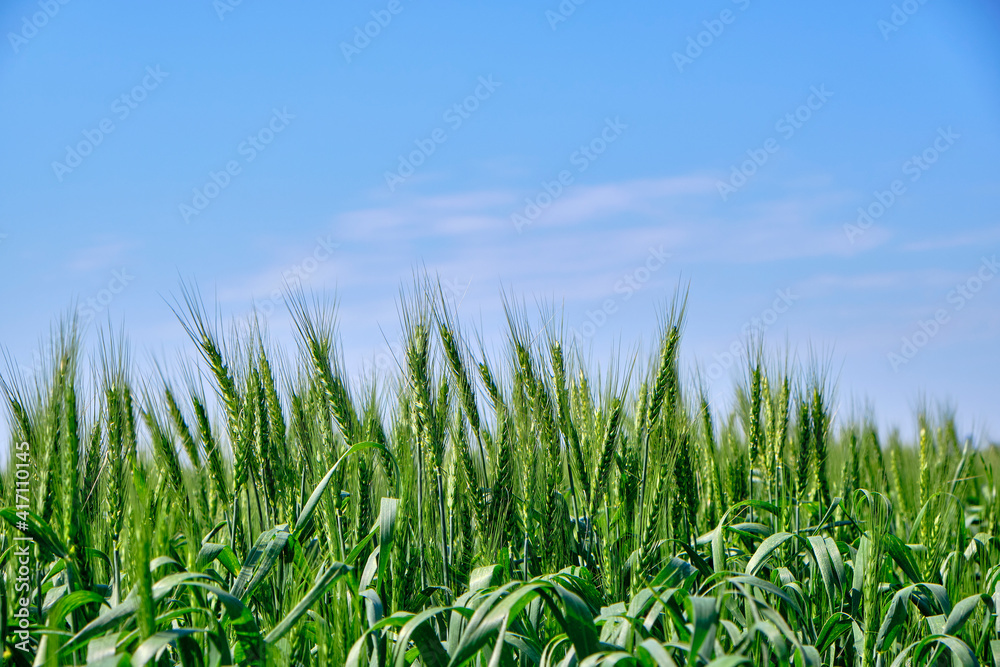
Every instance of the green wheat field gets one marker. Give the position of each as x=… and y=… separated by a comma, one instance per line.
x=257, y=506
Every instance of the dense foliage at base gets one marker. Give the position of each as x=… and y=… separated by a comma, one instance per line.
x=260, y=508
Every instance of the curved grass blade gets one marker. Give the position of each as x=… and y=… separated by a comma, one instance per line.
x=323, y=582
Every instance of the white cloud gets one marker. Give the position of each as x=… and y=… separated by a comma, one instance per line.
x=102, y=256
x=576, y=250
x=979, y=237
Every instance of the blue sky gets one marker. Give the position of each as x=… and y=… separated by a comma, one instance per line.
x=592, y=155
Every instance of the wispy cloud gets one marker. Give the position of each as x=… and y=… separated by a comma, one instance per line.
x=103, y=256
x=577, y=248
x=881, y=281
x=978, y=237
x=649, y=197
